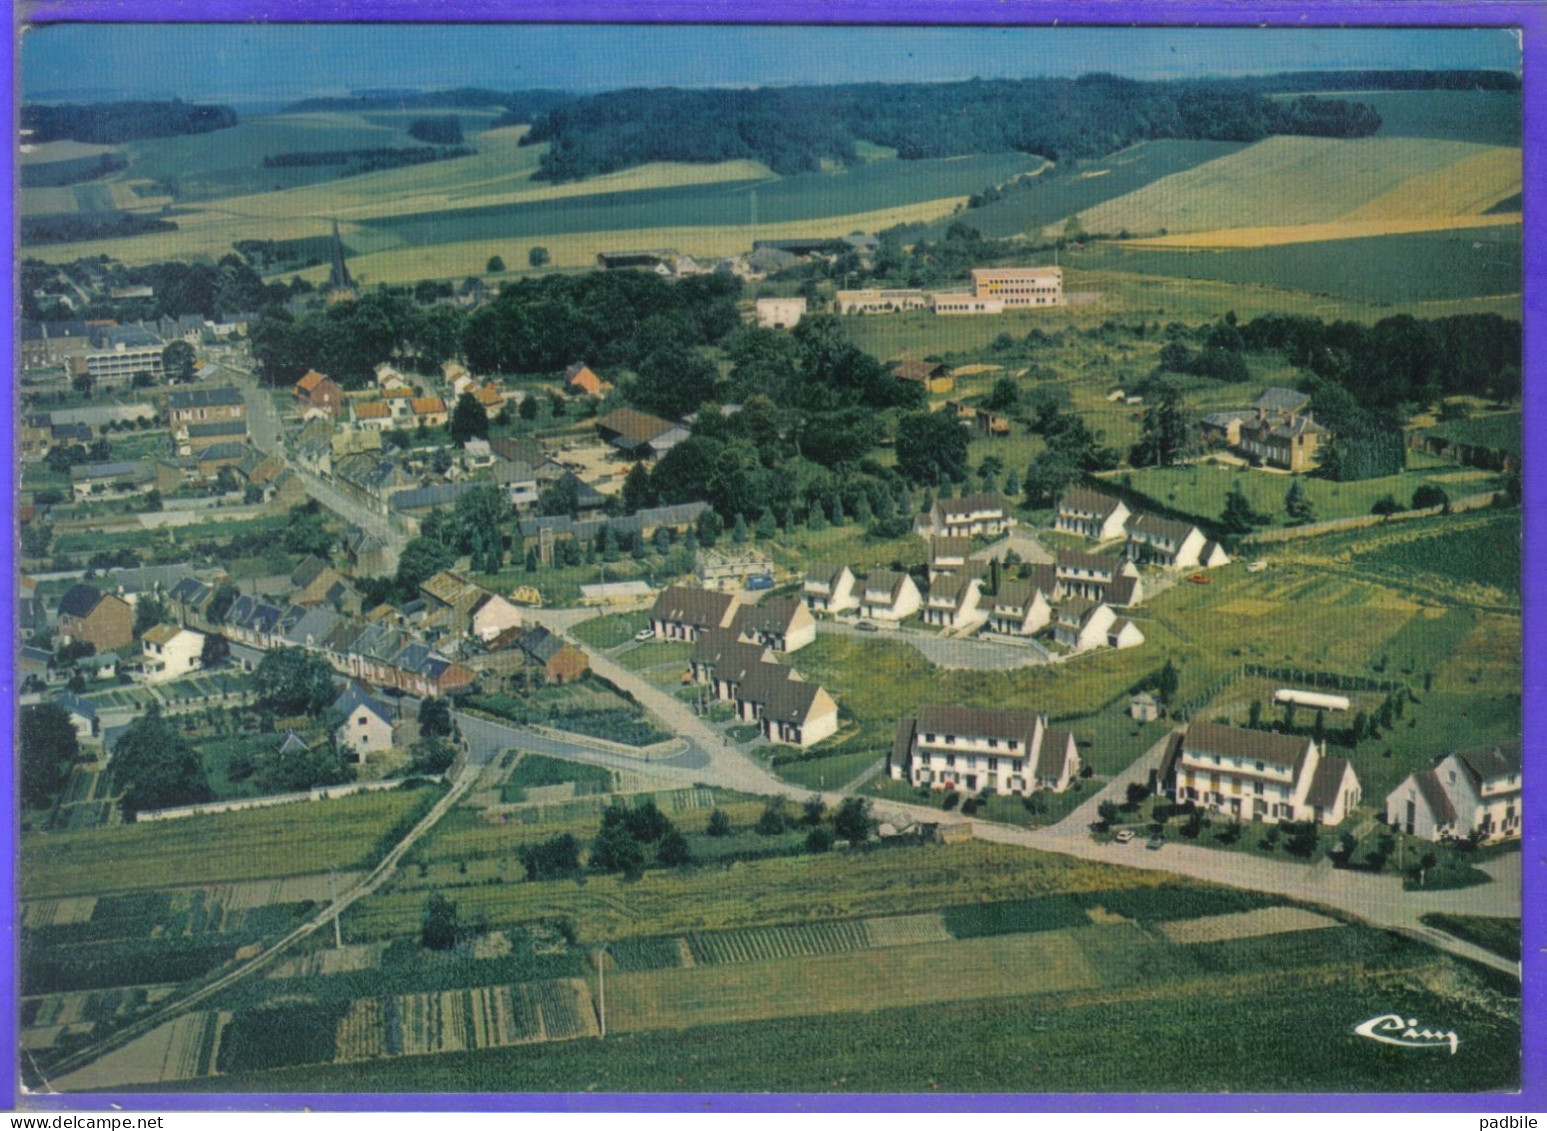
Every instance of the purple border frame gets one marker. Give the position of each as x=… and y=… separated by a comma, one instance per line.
x=1531, y=21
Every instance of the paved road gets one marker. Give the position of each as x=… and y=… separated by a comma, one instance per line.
x=678, y=760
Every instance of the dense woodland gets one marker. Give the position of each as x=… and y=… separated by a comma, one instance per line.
x=519, y=105
x=795, y=129
x=367, y=160
x=110, y=123
x=68, y=227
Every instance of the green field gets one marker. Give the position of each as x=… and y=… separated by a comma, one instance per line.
x=1199, y=489
x=287, y=840
x=610, y=631
x=1500, y=431
x=1490, y=117
x=1486, y=553
x=1502, y=936
x=1062, y=190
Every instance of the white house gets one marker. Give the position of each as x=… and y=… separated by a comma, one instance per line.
x=829, y=588
x=788, y=711
x=1081, y=625
x=1020, y=608
x=953, y=602
x=1258, y=776
x=1476, y=790
x=365, y=722
x=781, y=623
x=977, y=748
x=1176, y=545
x=983, y=512
x=169, y=652
x=780, y=313
x=948, y=555
x=1090, y=514
x=683, y=614
x=889, y=595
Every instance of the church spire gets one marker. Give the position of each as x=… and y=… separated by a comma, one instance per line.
x=338, y=278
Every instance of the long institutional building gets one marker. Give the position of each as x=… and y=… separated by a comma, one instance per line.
x=994, y=290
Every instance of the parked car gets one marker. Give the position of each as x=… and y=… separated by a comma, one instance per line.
x=1200, y=579
x=865, y=626
x=761, y=581
x=1124, y=836
x=645, y=634
x=1156, y=843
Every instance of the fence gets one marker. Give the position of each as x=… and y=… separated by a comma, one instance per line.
x=1360, y=521
x=1301, y=677
x=321, y=793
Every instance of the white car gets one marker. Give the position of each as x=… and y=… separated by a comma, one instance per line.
x=1124, y=836
x=645, y=634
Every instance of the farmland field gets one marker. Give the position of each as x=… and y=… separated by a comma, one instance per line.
x=1490, y=117
x=1416, y=267
x=286, y=840
x=1501, y=431
x=1484, y=553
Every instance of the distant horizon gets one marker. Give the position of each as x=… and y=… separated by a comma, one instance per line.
x=236, y=63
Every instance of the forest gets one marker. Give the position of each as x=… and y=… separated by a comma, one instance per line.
x=111, y=123
x=520, y=106
x=795, y=129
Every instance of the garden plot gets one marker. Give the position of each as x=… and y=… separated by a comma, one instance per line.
x=340, y=960
x=252, y=894
x=906, y=930
x=760, y=944
x=1244, y=925
x=57, y=912
x=465, y=1020
x=182, y=1049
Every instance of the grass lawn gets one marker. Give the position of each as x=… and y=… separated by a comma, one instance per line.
x=825, y=772
x=1199, y=489
x=1502, y=936
x=610, y=631
x=656, y=655
x=287, y=840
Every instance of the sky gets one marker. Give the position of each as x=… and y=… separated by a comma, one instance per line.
x=256, y=62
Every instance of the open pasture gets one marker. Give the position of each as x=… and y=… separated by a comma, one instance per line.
x=1490, y=117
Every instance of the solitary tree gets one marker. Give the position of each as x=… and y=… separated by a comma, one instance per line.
x=49, y=747
x=177, y=361
x=1108, y=812
x=439, y=929
x=719, y=823
x=495, y=266
x=813, y=809
x=295, y=681
x=154, y=766
x=469, y=420
x=852, y=822
x=536, y=257
x=1297, y=503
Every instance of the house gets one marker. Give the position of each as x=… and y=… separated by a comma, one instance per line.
x=1091, y=514
x=1175, y=545
x=731, y=567
x=320, y=392
x=982, y=512
x=581, y=381
x=370, y=416
x=829, y=588
x=388, y=378
x=365, y=723
x=1081, y=625
x=1020, y=608
x=949, y=555
x=790, y=711
x=723, y=661
x=195, y=406
x=1224, y=427
x=780, y=313
x=227, y=453
x=1096, y=576
x=889, y=595
x=684, y=614
x=1465, y=793
x=781, y=623
x=1286, y=442
x=1144, y=708
x=1257, y=775
x=83, y=715
x=119, y=479
x=935, y=378
x=560, y=661
x=638, y=435
x=315, y=582
x=973, y=749
x=953, y=602
x=192, y=439
x=468, y=608
x=101, y=619
x=366, y=553
x=168, y=652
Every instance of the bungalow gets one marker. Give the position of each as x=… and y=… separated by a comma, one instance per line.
x=101, y=619
x=685, y=614
x=829, y=588
x=639, y=435
x=370, y=416
x=976, y=749
x=781, y=623
x=983, y=512
x=119, y=479
x=1257, y=775
x=170, y=652
x=1020, y=608
x=430, y=411
x=365, y=723
x=1467, y=792
x=889, y=595
x=953, y=602
x=780, y=313
x=1175, y=545
x=1090, y=514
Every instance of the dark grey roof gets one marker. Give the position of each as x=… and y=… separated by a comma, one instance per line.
x=226, y=449
x=204, y=398
x=218, y=428
x=1323, y=793
x=1252, y=745
x=79, y=601
x=1279, y=399
x=355, y=697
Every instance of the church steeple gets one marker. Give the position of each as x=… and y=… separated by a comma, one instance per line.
x=338, y=278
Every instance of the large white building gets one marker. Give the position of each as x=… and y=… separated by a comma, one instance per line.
x=972, y=749
x=1020, y=286
x=1255, y=775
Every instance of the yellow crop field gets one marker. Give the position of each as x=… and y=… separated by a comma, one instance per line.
x=1467, y=188
x=1281, y=182
x=1226, y=238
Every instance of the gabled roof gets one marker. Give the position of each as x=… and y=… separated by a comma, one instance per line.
x=1435, y=797
x=1281, y=750
x=80, y=601
x=226, y=449
x=730, y=659
x=1086, y=501
x=792, y=701
x=1050, y=758
x=371, y=410
x=777, y=615
x=1122, y=590
x=704, y=608
x=310, y=381
x=975, y=503
x=292, y=743
x=902, y=741
x=824, y=573
x=204, y=398
x=1164, y=527
x=1279, y=399
x=1098, y=563
x=145, y=578
x=943, y=546
x=636, y=427
x=1017, y=594
x=885, y=581
x=356, y=697
x=217, y=428
x=163, y=634
x=1326, y=782
x=1490, y=762
x=979, y=722
x=78, y=705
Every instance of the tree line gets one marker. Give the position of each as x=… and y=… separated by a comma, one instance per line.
x=110, y=123
x=368, y=160
x=795, y=129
